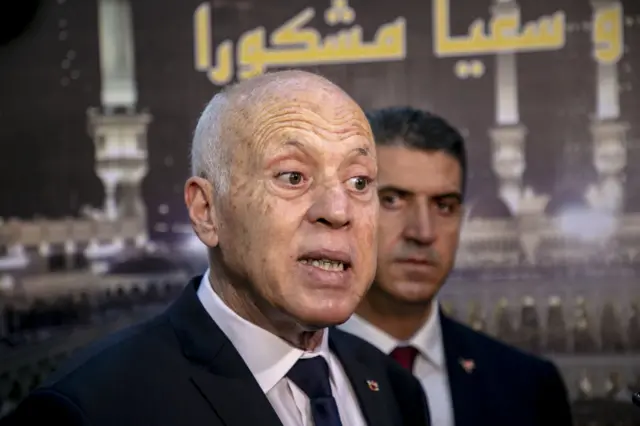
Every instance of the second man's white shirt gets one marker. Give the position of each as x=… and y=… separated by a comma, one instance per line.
x=430, y=365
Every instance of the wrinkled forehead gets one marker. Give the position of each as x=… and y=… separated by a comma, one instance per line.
x=323, y=111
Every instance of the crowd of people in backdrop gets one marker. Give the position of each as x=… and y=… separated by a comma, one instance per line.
x=22, y=323
x=520, y=326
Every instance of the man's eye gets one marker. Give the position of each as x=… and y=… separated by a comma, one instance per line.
x=389, y=200
x=359, y=183
x=291, y=178
x=446, y=208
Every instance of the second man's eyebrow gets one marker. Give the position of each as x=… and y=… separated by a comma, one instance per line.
x=396, y=189
x=456, y=195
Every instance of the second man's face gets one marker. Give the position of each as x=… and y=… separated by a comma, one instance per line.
x=420, y=218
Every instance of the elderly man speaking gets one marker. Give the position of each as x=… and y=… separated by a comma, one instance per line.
x=283, y=195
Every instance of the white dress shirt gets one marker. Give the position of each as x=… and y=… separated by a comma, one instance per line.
x=270, y=358
x=430, y=365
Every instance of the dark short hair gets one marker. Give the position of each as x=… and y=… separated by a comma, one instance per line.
x=413, y=128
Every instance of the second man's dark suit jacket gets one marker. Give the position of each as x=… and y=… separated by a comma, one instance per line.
x=494, y=384
x=180, y=369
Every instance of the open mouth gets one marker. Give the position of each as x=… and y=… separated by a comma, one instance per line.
x=326, y=264
x=331, y=261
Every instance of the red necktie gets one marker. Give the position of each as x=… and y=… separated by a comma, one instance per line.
x=405, y=356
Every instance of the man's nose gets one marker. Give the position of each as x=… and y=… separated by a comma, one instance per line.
x=420, y=225
x=331, y=208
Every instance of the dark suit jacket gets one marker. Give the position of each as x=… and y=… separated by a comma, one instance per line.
x=504, y=386
x=180, y=369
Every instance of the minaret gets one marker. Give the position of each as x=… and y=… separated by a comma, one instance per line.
x=117, y=58
x=507, y=135
x=608, y=132
x=119, y=131
x=508, y=145
x=121, y=159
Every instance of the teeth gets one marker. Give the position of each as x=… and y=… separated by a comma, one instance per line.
x=326, y=264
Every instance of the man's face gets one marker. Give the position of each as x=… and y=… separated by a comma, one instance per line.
x=299, y=225
x=420, y=218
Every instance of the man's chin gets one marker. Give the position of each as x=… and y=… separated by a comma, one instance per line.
x=414, y=293
x=318, y=319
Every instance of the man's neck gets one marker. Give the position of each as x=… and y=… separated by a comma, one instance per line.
x=243, y=304
x=396, y=318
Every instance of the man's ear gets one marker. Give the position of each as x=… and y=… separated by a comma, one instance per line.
x=198, y=196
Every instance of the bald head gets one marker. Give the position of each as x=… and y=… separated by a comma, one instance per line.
x=232, y=115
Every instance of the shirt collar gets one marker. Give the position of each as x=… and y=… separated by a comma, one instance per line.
x=268, y=357
x=427, y=340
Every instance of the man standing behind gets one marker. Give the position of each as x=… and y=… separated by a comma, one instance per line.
x=470, y=378
x=283, y=196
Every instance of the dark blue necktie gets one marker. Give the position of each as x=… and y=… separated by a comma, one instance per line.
x=312, y=376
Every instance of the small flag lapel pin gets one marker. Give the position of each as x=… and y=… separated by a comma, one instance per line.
x=373, y=385
x=468, y=365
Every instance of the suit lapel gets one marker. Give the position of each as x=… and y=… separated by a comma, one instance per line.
x=236, y=399
x=370, y=387
x=465, y=374
x=217, y=369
